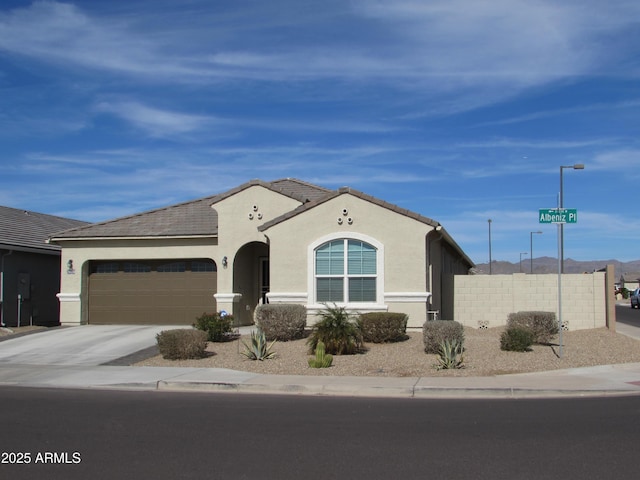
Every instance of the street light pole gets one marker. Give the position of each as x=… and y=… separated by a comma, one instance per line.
x=577, y=166
x=521, y=253
x=531, y=248
x=489, y=221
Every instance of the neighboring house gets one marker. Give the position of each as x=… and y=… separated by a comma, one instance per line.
x=630, y=281
x=284, y=241
x=29, y=267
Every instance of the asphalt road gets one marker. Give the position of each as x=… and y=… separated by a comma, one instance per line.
x=628, y=315
x=156, y=435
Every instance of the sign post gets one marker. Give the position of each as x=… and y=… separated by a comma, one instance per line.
x=559, y=216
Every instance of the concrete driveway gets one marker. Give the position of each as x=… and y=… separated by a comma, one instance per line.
x=83, y=345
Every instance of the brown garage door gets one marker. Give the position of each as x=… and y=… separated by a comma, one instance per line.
x=165, y=292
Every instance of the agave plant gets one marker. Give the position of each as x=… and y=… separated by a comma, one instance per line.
x=448, y=355
x=259, y=349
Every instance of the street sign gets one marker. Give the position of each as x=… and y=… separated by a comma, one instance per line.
x=558, y=215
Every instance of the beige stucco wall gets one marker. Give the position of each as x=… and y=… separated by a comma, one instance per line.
x=401, y=254
x=487, y=300
x=239, y=217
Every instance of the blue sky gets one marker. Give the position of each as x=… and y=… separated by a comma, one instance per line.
x=461, y=110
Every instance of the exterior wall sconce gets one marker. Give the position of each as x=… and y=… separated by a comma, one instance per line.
x=225, y=262
x=70, y=267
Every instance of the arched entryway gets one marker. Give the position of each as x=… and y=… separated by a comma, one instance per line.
x=250, y=279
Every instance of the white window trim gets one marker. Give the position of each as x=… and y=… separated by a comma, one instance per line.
x=311, y=271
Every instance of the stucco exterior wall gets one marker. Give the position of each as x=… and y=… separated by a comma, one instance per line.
x=402, y=283
x=487, y=300
x=238, y=219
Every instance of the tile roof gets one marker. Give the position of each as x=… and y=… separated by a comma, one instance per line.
x=355, y=193
x=22, y=229
x=194, y=218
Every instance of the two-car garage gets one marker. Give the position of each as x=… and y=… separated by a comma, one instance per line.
x=159, y=292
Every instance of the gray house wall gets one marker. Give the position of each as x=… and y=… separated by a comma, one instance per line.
x=36, y=277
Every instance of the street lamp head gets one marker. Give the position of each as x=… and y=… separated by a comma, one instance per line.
x=578, y=166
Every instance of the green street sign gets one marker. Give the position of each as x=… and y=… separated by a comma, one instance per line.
x=558, y=215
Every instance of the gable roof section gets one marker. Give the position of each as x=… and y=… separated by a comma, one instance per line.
x=195, y=218
x=25, y=230
x=376, y=201
x=347, y=190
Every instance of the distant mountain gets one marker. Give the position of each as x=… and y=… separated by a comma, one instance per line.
x=543, y=265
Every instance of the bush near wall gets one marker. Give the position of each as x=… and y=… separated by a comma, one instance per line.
x=543, y=325
x=516, y=338
x=383, y=327
x=281, y=322
x=435, y=332
x=182, y=344
x=217, y=326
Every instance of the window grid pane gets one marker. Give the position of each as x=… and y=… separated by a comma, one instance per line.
x=330, y=258
x=330, y=289
x=361, y=258
x=362, y=289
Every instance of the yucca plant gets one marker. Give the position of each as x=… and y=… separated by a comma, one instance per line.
x=322, y=359
x=448, y=355
x=340, y=335
x=259, y=349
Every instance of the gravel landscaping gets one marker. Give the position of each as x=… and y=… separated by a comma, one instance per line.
x=482, y=356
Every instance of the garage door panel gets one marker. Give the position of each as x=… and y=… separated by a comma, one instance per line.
x=161, y=298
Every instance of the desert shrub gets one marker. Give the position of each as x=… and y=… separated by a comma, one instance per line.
x=543, y=325
x=258, y=348
x=182, y=344
x=382, y=327
x=217, y=326
x=437, y=331
x=516, y=338
x=448, y=355
x=322, y=359
x=282, y=322
x=339, y=333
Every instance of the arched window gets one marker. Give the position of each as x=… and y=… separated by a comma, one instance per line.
x=346, y=271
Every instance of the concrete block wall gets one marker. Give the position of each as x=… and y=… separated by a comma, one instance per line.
x=487, y=300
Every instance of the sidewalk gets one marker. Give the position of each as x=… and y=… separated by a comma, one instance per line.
x=608, y=380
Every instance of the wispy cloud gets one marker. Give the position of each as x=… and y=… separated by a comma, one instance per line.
x=154, y=121
x=472, y=52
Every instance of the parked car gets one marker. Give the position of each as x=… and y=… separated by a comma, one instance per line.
x=635, y=298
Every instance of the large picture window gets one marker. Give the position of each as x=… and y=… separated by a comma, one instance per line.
x=345, y=271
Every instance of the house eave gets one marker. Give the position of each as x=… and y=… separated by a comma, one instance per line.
x=139, y=237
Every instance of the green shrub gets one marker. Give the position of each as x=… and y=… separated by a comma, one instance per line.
x=516, y=339
x=448, y=355
x=435, y=332
x=340, y=335
x=182, y=344
x=218, y=327
x=383, y=327
x=322, y=359
x=259, y=348
x=282, y=322
x=543, y=325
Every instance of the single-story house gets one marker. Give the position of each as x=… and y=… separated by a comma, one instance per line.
x=29, y=267
x=630, y=281
x=285, y=241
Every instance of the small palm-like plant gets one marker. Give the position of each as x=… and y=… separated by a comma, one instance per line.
x=448, y=355
x=259, y=349
x=322, y=359
x=340, y=335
